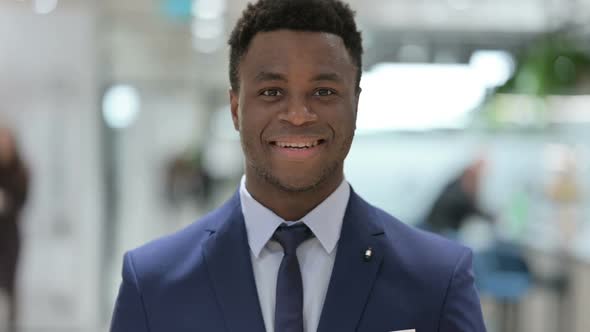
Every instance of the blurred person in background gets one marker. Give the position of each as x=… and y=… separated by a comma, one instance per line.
x=14, y=182
x=458, y=201
x=296, y=249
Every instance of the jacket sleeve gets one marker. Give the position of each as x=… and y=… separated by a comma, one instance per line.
x=129, y=313
x=461, y=310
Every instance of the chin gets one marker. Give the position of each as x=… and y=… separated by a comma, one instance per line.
x=296, y=184
x=303, y=182
x=298, y=180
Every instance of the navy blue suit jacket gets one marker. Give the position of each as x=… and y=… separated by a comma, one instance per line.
x=201, y=279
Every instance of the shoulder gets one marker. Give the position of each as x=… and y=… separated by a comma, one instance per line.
x=181, y=249
x=417, y=250
x=429, y=270
x=426, y=242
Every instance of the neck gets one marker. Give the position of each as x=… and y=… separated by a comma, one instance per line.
x=291, y=205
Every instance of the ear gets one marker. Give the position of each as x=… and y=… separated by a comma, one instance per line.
x=356, y=106
x=358, y=96
x=234, y=105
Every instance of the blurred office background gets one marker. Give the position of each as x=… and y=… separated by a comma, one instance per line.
x=120, y=109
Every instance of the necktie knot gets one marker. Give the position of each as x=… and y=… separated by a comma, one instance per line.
x=290, y=237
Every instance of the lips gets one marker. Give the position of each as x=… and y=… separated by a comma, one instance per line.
x=297, y=145
x=297, y=148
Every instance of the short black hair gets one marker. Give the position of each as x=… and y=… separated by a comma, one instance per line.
x=331, y=16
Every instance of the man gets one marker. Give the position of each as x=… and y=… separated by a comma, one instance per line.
x=296, y=249
x=14, y=188
x=458, y=201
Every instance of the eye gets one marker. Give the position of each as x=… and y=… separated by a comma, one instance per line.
x=324, y=92
x=271, y=93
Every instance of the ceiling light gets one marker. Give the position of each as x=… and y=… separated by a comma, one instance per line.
x=120, y=106
x=494, y=67
x=44, y=6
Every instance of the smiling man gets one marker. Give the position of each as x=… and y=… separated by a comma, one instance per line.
x=294, y=103
x=296, y=249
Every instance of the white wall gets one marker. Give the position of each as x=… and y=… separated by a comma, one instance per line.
x=48, y=92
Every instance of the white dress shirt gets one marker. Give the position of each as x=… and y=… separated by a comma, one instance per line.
x=316, y=256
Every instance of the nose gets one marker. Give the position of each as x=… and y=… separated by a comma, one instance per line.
x=298, y=113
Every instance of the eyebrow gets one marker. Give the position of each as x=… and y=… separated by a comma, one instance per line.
x=334, y=77
x=272, y=76
x=269, y=76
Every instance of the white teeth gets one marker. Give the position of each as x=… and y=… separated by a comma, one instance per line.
x=297, y=145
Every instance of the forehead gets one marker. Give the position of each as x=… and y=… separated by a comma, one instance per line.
x=283, y=50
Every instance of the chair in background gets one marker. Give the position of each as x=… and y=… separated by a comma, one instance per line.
x=503, y=275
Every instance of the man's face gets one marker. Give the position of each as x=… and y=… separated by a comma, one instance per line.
x=295, y=108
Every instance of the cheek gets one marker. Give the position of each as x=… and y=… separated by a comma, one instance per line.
x=256, y=116
x=248, y=130
x=251, y=128
x=344, y=121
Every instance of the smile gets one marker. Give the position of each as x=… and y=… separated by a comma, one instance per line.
x=298, y=145
x=297, y=149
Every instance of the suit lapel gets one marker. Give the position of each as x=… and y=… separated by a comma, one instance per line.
x=227, y=255
x=353, y=276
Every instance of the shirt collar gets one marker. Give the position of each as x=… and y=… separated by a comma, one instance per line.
x=325, y=220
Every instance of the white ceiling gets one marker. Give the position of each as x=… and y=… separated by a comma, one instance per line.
x=481, y=15
x=142, y=44
x=136, y=43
